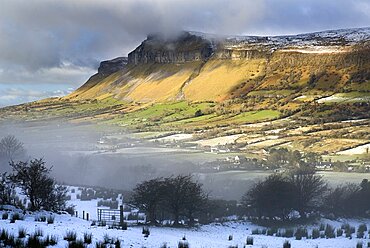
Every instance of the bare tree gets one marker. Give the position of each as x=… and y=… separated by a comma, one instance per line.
x=183, y=197
x=273, y=197
x=178, y=196
x=310, y=188
x=11, y=147
x=147, y=196
x=7, y=191
x=34, y=180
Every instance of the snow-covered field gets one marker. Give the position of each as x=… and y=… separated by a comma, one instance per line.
x=212, y=236
x=207, y=236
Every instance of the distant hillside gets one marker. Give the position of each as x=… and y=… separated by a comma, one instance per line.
x=201, y=67
x=309, y=92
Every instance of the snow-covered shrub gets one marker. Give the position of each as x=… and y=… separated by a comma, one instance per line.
x=40, y=218
x=362, y=228
x=288, y=233
x=76, y=244
x=359, y=244
x=87, y=238
x=18, y=243
x=339, y=232
x=50, y=219
x=4, y=235
x=287, y=244
x=299, y=233
x=51, y=240
x=315, y=233
x=107, y=239
x=35, y=242
x=71, y=210
x=9, y=241
x=17, y=216
x=360, y=234
x=5, y=216
x=329, y=232
x=183, y=244
x=322, y=227
x=271, y=231
x=39, y=232
x=22, y=232
x=70, y=236
x=99, y=244
x=117, y=243
x=145, y=231
x=249, y=241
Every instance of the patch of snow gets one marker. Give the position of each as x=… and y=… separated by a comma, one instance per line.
x=356, y=150
x=224, y=140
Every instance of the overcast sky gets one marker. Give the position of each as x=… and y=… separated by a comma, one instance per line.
x=50, y=47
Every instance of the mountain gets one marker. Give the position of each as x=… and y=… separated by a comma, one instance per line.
x=309, y=92
x=200, y=67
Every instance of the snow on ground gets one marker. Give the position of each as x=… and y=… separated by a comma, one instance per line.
x=357, y=150
x=89, y=207
x=208, y=236
x=219, y=140
x=148, y=150
x=175, y=137
x=317, y=49
x=341, y=98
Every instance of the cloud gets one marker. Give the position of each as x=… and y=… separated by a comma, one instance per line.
x=11, y=96
x=47, y=41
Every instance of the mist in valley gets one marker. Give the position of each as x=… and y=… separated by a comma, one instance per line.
x=89, y=155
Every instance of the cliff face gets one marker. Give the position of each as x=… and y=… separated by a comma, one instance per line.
x=157, y=49
x=110, y=66
x=199, y=67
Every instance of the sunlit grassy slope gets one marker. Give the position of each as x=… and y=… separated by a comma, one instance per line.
x=284, y=99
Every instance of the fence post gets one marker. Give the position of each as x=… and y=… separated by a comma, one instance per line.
x=76, y=214
x=83, y=215
x=121, y=216
x=87, y=216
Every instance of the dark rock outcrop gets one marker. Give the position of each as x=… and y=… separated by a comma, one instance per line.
x=110, y=66
x=159, y=49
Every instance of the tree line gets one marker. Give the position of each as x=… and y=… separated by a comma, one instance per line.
x=300, y=193
x=170, y=198
x=302, y=190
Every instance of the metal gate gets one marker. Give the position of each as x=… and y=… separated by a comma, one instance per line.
x=111, y=216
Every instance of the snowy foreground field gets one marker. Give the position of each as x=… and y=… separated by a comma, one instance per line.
x=214, y=235
x=210, y=236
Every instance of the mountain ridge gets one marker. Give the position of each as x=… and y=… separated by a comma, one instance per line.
x=162, y=69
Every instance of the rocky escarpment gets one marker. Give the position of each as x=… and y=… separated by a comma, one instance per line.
x=159, y=49
x=110, y=66
x=201, y=67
